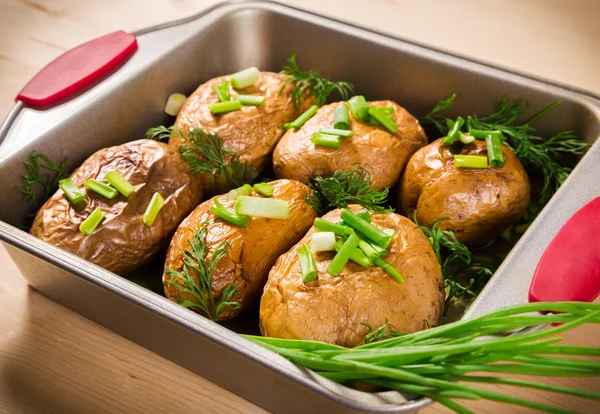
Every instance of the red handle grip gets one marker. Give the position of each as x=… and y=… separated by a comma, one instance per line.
x=569, y=269
x=78, y=68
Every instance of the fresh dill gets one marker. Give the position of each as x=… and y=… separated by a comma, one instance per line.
x=41, y=172
x=312, y=83
x=196, y=265
x=159, y=133
x=455, y=291
x=205, y=153
x=385, y=331
x=347, y=187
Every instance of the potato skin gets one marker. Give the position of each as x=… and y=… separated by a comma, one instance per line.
x=253, y=131
x=331, y=309
x=479, y=203
x=254, y=248
x=122, y=242
x=384, y=155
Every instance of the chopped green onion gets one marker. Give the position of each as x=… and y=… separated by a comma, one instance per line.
x=494, y=151
x=222, y=90
x=323, y=241
x=309, y=113
x=365, y=228
x=358, y=107
x=357, y=255
x=391, y=270
x=340, y=117
x=307, y=264
x=325, y=140
x=324, y=225
x=342, y=257
x=245, y=78
x=156, y=204
x=104, y=190
x=391, y=233
x=245, y=190
x=227, y=106
x=380, y=250
x=174, y=103
x=338, y=132
x=365, y=215
x=91, y=223
x=480, y=134
x=465, y=139
x=250, y=99
x=368, y=250
x=264, y=189
x=229, y=215
x=73, y=194
x=262, y=207
x=470, y=161
x=119, y=182
x=454, y=131
x=383, y=120
x=386, y=111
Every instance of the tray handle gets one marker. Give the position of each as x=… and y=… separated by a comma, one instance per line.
x=77, y=68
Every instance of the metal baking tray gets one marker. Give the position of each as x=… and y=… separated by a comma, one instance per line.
x=178, y=57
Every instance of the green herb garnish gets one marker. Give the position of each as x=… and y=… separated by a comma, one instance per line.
x=385, y=331
x=159, y=133
x=41, y=171
x=347, y=187
x=197, y=265
x=312, y=83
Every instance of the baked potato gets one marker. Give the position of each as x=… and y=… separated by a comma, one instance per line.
x=477, y=203
x=122, y=242
x=252, y=252
x=381, y=153
x=252, y=131
x=332, y=309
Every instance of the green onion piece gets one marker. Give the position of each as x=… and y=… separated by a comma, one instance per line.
x=338, y=132
x=494, y=151
x=470, y=161
x=309, y=113
x=245, y=78
x=264, y=189
x=357, y=255
x=391, y=233
x=73, y=194
x=156, y=204
x=391, y=270
x=358, y=107
x=383, y=120
x=307, y=264
x=121, y=184
x=324, y=225
x=104, y=190
x=365, y=228
x=365, y=215
x=325, y=140
x=465, y=139
x=229, y=215
x=91, y=223
x=480, y=134
x=245, y=190
x=380, y=250
x=222, y=90
x=454, y=131
x=250, y=99
x=262, y=207
x=368, y=250
x=228, y=106
x=387, y=111
x=174, y=103
x=340, y=117
x=323, y=241
x=342, y=257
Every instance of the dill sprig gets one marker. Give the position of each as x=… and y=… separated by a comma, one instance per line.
x=347, y=187
x=553, y=158
x=41, y=172
x=385, y=331
x=195, y=262
x=312, y=83
x=159, y=133
x=204, y=152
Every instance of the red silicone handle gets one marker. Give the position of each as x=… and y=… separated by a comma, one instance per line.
x=78, y=68
x=570, y=267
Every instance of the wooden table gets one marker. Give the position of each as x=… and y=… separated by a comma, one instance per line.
x=55, y=361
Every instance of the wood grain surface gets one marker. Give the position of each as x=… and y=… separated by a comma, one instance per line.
x=55, y=361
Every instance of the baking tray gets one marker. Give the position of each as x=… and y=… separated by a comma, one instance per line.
x=178, y=57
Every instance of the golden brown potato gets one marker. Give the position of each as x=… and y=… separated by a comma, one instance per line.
x=331, y=309
x=253, y=131
x=478, y=203
x=253, y=250
x=122, y=241
x=384, y=155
